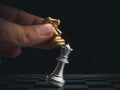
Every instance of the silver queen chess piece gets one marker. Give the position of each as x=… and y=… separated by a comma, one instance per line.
x=56, y=77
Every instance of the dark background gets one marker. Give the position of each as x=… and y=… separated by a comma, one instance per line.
x=91, y=28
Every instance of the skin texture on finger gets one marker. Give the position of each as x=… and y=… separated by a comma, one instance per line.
x=19, y=16
x=26, y=36
x=38, y=34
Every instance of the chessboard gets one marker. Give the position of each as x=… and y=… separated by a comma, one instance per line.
x=73, y=82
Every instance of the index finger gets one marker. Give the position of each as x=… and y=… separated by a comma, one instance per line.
x=19, y=16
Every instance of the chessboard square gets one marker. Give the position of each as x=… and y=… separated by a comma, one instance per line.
x=19, y=85
x=32, y=76
x=32, y=79
x=44, y=86
x=14, y=88
x=113, y=77
x=102, y=89
x=115, y=81
x=25, y=81
x=74, y=82
x=116, y=86
x=14, y=75
x=22, y=82
x=97, y=83
x=37, y=77
x=8, y=79
x=73, y=77
x=100, y=86
x=4, y=82
x=40, y=82
x=47, y=89
x=95, y=79
x=76, y=87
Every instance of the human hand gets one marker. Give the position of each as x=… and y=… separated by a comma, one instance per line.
x=21, y=29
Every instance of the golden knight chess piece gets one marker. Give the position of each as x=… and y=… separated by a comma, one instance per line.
x=57, y=39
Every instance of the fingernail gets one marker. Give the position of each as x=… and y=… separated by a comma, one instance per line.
x=45, y=29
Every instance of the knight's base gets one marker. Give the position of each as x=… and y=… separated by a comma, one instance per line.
x=55, y=81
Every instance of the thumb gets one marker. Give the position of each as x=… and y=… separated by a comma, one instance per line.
x=26, y=36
